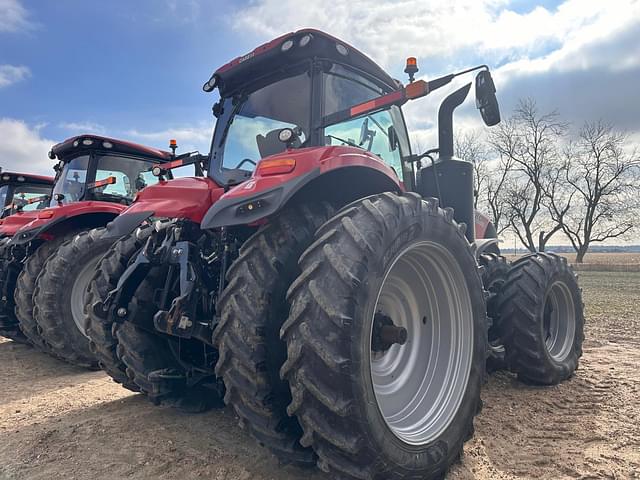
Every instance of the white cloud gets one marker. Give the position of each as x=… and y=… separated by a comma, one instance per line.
x=10, y=74
x=13, y=16
x=23, y=149
x=77, y=128
x=582, y=57
x=389, y=31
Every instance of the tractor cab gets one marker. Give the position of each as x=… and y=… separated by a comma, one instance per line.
x=93, y=168
x=288, y=95
x=96, y=178
x=23, y=192
x=307, y=104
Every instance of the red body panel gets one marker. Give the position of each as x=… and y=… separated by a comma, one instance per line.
x=29, y=220
x=188, y=197
x=308, y=159
x=482, y=222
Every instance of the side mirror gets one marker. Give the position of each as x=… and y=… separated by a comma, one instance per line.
x=366, y=134
x=393, y=138
x=486, y=100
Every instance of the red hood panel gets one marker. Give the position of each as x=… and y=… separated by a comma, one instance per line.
x=307, y=159
x=188, y=197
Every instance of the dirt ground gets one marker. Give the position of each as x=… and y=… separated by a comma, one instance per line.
x=57, y=421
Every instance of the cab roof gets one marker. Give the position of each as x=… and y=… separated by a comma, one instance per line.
x=90, y=142
x=271, y=56
x=9, y=177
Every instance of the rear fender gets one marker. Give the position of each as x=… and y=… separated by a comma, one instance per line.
x=335, y=174
x=83, y=215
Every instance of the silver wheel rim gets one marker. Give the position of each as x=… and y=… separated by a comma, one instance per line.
x=559, y=321
x=79, y=294
x=419, y=386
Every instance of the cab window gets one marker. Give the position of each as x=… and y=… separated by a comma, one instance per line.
x=374, y=132
x=382, y=133
x=131, y=175
x=31, y=197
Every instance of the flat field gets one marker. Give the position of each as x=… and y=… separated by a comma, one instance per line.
x=57, y=421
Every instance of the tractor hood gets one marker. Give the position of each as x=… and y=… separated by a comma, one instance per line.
x=186, y=198
x=10, y=225
x=29, y=225
x=278, y=177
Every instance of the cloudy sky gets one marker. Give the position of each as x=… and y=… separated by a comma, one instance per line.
x=73, y=66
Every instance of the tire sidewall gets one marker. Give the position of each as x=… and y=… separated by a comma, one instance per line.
x=438, y=454
x=566, y=366
x=98, y=248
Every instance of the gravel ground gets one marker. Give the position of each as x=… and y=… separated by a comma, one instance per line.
x=57, y=421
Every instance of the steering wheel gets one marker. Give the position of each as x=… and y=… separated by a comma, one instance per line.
x=237, y=167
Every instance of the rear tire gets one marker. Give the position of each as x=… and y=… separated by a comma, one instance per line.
x=252, y=308
x=339, y=368
x=101, y=330
x=542, y=312
x=25, y=286
x=60, y=296
x=494, y=275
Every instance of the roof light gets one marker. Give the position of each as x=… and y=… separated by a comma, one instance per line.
x=107, y=144
x=156, y=170
x=342, y=50
x=211, y=84
x=304, y=41
x=76, y=143
x=173, y=143
x=20, y=178
x=285, y=135
x=52, y=155
x=287, y=45
x=6, y=178
x=411, y=68
x=87, y=142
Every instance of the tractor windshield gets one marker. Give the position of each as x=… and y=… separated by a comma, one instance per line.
x=110, y=178
x=71, y=181
x=247, y=129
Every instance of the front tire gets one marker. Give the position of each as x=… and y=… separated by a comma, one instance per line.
x=360, y=394
x=101, y=328
x=542, y=312
x=61, y=293
x=25, y=286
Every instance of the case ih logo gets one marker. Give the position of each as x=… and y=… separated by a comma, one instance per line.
x=246, y=57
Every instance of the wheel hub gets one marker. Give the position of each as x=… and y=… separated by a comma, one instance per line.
x=421, y=343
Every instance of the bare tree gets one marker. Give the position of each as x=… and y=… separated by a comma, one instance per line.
x=527, y=144
x=602, y=186
x=489, y=173
x=469, y=146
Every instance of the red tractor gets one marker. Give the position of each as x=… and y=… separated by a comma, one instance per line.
x=23, y=191
x=19, y=192
x=324, y=278
x=47, y=255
